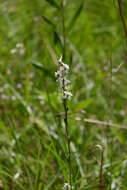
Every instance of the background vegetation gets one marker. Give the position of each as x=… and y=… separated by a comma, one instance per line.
x=32, y=135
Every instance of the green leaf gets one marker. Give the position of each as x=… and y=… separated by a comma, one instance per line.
x=84, y=103
x=2, y=125
x=48, y=21
x=53, y=3
x=76, y=15
x=45, y=71
x=57, y=39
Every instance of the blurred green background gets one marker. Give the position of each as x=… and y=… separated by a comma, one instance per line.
x=32, y=137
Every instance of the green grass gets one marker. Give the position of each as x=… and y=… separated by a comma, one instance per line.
x=32, y=134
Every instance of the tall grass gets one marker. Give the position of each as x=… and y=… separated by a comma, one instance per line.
x=90, y=37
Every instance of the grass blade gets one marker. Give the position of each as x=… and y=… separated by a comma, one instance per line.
x=53, y=3
x=76, y=15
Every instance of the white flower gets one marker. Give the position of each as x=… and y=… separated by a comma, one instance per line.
x=19, y=45
x=64, y=70
x=16, y=176
x=19, y=85
x=67, y=95
x=58, y=74
x=13, y=97
x=8, y=71
x=66, y=82
x=60, y=61
x=61, y=78
x=66, y=67
x=19, y=48
x=13, y=51
x=66, y=186
x=22, y=51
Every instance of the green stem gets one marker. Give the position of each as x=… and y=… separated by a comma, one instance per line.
x=122, y=17
x=101, y=185
x=65, y=100
x=63, y=29
x=68, y=141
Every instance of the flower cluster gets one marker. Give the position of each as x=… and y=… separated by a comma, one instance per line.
x=19, y=48
x=61, y=75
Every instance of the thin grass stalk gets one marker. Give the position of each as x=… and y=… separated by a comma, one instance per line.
x=101, y=184
x=65, y=100
x=122, y=17
x=63, y=28
x=68, y=141
x=61, y=75
x=67, y=136
x=111, y=113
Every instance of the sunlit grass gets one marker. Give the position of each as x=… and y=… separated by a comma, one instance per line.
x=33, y=145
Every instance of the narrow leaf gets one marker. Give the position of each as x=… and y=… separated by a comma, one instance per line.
x=48, y=21
x=53, y=3
x=57, y=39
x=76, y=15
x=45, y=71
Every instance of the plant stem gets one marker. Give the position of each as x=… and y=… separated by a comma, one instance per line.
x=65, y=100
x=68, y=140
x=122, y=17
x=101, y=185
x=63, y=28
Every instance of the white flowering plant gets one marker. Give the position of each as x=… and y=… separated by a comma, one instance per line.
x=61, y=75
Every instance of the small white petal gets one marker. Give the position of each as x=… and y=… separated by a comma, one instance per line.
x=19, y=85
x=16, y=176
x=13, y=51
x=13, y=97
x=67, y=95
x=67, y=186
x=66, y=82
x=66, y=66
x=22, y=51
x=61, y=58
x=58, y=74
x=60, y=61
x=8, y=71
x=19, y=45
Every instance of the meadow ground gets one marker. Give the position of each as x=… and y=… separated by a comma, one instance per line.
x=92, y=37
